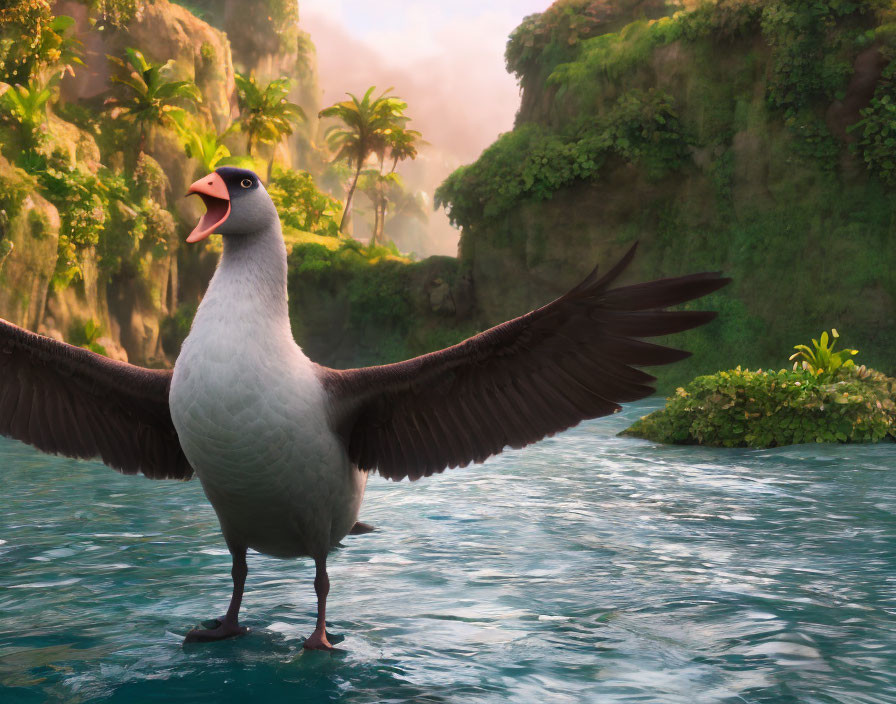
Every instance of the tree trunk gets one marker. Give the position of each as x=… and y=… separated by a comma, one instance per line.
x=380, y=222
x=348, y=199
x=375, y=239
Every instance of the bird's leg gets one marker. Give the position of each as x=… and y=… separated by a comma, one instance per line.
x=228, y=626
x=318, y=639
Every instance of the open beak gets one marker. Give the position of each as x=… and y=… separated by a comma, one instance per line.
x=213, y=192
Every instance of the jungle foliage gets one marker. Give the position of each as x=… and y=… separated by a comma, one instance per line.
x=579, y=52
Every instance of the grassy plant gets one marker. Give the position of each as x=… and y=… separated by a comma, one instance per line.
x=27, y=106
x=821, y=359
x=206, y=147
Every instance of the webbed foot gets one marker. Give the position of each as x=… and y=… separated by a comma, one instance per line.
x=224, y=629
x=317, y=641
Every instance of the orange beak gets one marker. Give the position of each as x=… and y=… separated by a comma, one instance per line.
x=213, y=192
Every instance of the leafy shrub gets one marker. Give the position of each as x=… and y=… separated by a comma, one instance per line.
x=102, y=211
x=877, y=128
x=27, y=106
x=743, y=408
x=86, y=334
x=115, y=13
x=34, y=43
x=302, y=206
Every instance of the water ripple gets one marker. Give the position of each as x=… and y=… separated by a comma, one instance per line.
x=587, y=568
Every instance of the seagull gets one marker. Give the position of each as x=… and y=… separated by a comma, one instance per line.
x=282, y=446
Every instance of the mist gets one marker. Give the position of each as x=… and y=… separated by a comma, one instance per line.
x=446, y=62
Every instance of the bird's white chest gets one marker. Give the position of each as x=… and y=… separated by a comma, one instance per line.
x=251, y=417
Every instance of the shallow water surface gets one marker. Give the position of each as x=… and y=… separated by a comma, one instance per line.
x=586, y=568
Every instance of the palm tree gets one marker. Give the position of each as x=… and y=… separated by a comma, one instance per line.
x=151, y=99
x=403, y=145
x=367, y=124
x=380, y=188
x=383, y=188
x=265, y=114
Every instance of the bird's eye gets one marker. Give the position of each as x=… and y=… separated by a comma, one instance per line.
x=246, y=182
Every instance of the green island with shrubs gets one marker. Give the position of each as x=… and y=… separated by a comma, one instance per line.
x=824, y=398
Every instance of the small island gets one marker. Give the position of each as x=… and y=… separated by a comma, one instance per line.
x=824, y=398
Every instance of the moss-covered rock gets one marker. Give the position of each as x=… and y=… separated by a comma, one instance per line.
x=29, y=232
x=743, y=408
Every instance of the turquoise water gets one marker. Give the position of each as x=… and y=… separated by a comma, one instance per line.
x=587, y=568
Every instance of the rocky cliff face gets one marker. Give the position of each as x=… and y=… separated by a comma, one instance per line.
x=29, y=233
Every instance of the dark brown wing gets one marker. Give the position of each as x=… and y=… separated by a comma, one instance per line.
x=516, y=383
x=70, y=401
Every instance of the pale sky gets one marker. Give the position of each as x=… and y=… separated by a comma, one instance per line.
x=445, y=58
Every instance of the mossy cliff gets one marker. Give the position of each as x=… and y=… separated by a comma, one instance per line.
x=752, y=137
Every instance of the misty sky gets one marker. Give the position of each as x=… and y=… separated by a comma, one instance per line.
x=445, y=58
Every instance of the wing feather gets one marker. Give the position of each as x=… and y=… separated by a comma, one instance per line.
x=518, y=382
x=70, y=401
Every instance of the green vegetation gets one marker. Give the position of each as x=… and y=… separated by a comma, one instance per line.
x=207, y=147
x=824, y=399
x=302, y=206
x=740, y=408
x=86, y=335
x=570, y=51
x=35, y=44
x=750, y=168
x=27, y=106
x=554, y=36
x=876, y=130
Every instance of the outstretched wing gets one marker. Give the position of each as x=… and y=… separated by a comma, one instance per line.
x=516, y=383
x=70, y=401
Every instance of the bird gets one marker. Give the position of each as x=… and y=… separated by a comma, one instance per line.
x=283, y=446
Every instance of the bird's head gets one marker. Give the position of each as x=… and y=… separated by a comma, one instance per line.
x=236, y=203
